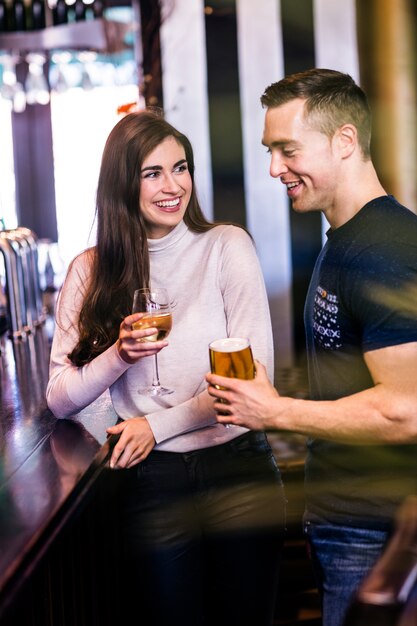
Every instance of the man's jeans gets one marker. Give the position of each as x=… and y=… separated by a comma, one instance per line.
x=341, y=556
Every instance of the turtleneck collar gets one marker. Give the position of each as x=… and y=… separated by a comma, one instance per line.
x=156, y=245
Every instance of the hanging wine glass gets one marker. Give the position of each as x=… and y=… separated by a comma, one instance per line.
x=36, y=86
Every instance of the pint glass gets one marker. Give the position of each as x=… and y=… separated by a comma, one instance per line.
x=232, y=357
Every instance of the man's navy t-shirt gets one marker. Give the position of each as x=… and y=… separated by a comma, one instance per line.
x=362, y=297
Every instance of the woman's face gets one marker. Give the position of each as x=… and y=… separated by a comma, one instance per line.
x=165, y=188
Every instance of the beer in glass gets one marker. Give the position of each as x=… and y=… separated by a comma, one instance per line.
x=232, y=357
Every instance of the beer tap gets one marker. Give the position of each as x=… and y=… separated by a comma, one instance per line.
x=14, y=281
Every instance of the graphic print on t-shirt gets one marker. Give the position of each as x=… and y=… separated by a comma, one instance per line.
x=326, y=327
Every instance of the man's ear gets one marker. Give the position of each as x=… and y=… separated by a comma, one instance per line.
x=347, y=137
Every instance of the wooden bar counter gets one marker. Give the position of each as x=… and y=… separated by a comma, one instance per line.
x=56, y=499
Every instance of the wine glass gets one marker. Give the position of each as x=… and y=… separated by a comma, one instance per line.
x=154, y=303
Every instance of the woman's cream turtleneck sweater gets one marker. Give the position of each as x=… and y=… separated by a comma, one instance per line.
x=215, y=282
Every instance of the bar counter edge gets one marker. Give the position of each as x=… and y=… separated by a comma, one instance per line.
x=55, y=490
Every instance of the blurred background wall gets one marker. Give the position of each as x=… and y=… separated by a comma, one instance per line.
x=217, y=57
x=207, y=64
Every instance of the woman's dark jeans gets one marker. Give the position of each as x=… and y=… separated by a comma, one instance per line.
x=203, y=533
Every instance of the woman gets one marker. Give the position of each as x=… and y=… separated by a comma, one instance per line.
x=204, y=511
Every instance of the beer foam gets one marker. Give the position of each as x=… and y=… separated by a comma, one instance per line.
x=229, y=344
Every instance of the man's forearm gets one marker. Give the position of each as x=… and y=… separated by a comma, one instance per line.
x=375, y=415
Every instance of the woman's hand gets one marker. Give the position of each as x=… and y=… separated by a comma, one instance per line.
x=135, y=442
x=132, y=344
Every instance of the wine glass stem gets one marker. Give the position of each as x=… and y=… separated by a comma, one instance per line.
x=155, y=380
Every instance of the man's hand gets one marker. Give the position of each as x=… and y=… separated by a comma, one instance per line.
x=250, y=403
x=383, y=413
x=135, y=442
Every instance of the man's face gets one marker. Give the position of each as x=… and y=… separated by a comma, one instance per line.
x=304, y=159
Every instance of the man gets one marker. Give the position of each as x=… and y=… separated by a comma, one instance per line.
x=361, y=329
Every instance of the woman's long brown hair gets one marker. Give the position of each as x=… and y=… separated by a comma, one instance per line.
x=120, y=260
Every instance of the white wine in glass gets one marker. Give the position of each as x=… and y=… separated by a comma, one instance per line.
x=155, y=305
